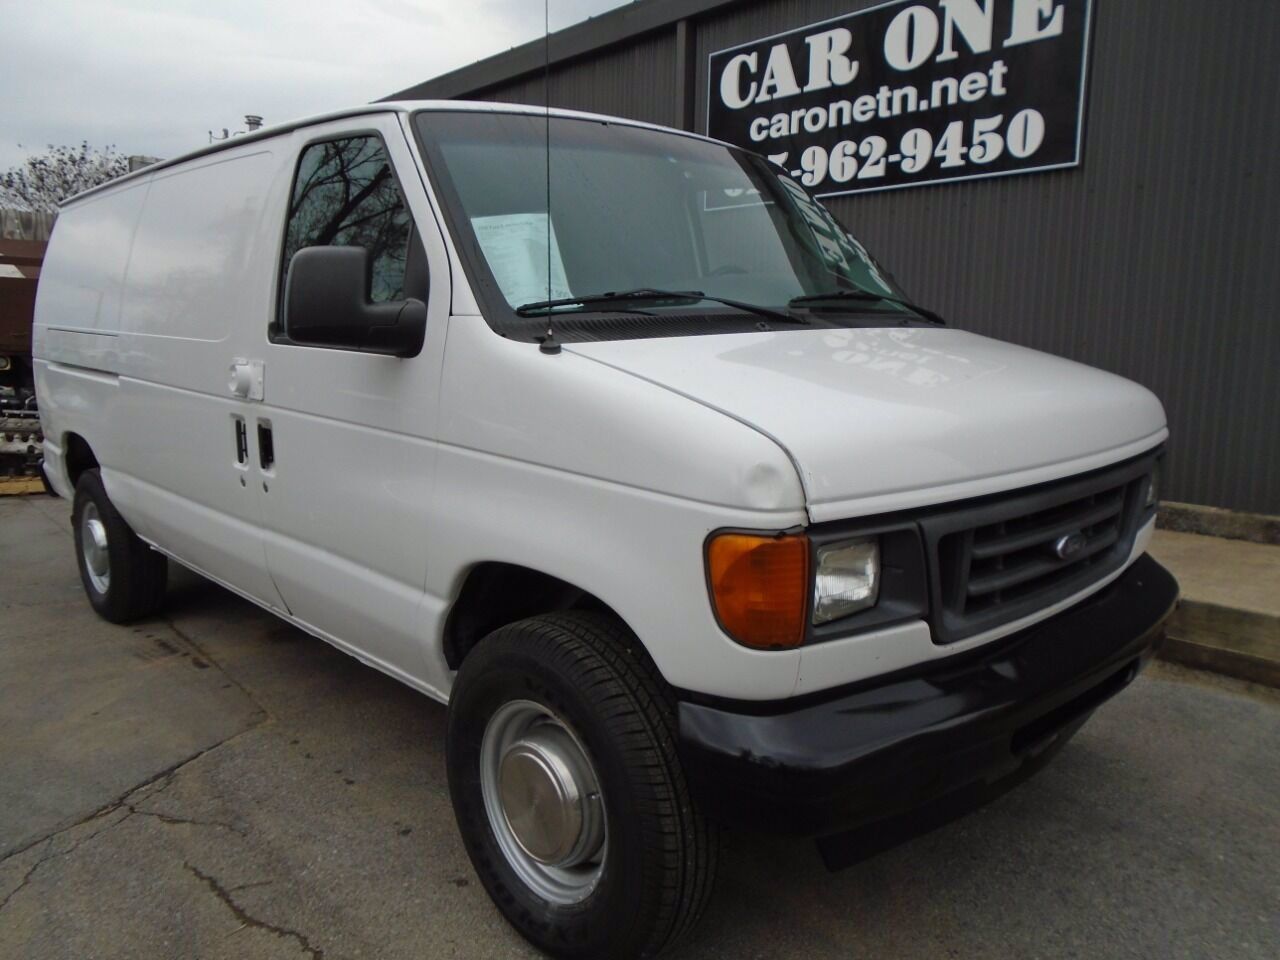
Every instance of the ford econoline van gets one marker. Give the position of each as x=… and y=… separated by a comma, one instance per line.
x=613, y=439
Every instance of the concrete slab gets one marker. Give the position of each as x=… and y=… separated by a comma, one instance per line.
x=326, y=831
x=1228, y=573
x=87, y=710
x=1229, y=617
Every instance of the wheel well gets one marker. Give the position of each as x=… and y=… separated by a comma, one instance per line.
x=496, y=594
x=78, y=456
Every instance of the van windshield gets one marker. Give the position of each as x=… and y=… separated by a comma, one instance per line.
x=632, y=209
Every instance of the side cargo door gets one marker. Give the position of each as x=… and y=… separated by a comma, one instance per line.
x=198, y=275
x=345, y=440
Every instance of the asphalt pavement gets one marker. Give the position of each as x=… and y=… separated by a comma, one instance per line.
x=214, y=783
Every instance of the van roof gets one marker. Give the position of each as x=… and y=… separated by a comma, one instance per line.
x=386, y=106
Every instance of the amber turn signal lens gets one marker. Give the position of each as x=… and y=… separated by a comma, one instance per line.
x=760, y=585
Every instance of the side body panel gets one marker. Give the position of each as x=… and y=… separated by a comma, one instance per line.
x=610, y=483
x=76, y=333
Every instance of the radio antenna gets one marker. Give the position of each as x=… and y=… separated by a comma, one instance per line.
x=548, y=344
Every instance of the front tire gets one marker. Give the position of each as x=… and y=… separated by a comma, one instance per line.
x=123, y=578
x=568, y=792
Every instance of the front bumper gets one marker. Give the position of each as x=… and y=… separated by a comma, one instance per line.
x=883, y=754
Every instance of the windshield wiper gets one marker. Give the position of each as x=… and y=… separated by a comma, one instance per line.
x=867, y=295
x=539, y=307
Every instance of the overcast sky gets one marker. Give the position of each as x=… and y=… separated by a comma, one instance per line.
x=154, y=76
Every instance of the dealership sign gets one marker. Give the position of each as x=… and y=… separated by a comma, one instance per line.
x=911, y=92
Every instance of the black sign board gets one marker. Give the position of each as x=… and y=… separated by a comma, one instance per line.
x=911, y=92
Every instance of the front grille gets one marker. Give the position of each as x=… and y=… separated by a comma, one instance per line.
x=1005, y=557
x=1012, y=558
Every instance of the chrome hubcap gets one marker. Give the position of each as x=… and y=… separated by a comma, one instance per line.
x=543, y=801
x=93, y=543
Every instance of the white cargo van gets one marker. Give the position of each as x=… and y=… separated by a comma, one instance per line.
x=671, y=493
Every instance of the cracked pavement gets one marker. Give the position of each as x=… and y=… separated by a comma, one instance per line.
x=216, y=784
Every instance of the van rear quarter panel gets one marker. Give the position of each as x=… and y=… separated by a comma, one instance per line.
x=76, y=332
x=82, y=279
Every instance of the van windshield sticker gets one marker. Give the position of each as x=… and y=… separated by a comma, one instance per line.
x=515, y=245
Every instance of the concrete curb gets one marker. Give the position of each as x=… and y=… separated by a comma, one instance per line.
x=1216, y=522
x=1236, y=643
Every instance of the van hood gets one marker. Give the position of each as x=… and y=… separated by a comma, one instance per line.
x=877, y=420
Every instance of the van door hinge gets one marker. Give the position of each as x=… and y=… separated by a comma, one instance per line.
x=246, y=379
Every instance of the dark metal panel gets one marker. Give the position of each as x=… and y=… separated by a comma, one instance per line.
x=637, y=80
x=530, y=89
x=622, y=25
x=686, y=50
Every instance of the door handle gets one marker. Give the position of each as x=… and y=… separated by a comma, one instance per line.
x=266, y=446
x=245, y=380
x=242, y=441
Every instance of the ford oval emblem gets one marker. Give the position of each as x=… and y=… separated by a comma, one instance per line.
x=1068, y=546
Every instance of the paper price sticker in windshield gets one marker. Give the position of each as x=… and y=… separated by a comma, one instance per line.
x=523, y=253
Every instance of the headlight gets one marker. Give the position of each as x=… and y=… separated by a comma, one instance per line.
x=847, y=579
x=1153, y=487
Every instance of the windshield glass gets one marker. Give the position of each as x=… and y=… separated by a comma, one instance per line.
x=634, y=208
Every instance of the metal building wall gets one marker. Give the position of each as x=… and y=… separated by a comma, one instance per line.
x=1156, y=259
x=636, y=81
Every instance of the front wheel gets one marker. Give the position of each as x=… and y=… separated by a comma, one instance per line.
x=568, y=791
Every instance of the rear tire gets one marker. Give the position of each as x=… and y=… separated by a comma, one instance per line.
x=580, y=682
x=123, y=578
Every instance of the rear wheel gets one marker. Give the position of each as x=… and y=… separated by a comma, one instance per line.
x=568, y=791
x=123, y=578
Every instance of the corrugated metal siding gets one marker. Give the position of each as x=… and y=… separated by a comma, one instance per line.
x=637, y=80
x=1157, y=259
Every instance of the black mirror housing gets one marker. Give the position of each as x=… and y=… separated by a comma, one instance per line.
x=326, y=295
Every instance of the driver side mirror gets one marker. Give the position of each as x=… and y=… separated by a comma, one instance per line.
x=326, y=295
